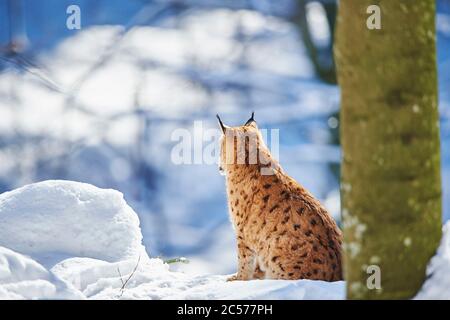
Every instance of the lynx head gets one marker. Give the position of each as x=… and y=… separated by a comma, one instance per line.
x=242, y=147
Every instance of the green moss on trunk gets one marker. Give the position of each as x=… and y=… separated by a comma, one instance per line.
x=391, y=185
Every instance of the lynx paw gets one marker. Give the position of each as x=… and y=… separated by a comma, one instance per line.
x=233, y=278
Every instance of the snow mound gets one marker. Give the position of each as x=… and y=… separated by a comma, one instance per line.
x=24, y=278
x=69, y=219
x=437, y=285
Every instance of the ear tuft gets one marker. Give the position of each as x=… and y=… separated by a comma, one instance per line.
x=222, y=126
x=251, y=120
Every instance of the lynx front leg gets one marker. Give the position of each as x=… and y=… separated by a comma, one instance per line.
x=246, y=263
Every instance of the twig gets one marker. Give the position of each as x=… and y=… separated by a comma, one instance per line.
x=121, y=280
x=26, y=66
x=122, y=289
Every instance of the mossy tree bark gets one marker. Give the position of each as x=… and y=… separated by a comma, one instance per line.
x=391, y=185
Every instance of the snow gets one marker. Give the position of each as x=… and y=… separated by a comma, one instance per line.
x=153, y=280
x=71, y=240
x=69, y=218
x=24, y=278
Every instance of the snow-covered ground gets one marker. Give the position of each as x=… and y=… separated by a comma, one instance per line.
x=71, y=240
x=24, y=278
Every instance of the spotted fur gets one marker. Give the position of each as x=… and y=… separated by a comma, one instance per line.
x=282, y=231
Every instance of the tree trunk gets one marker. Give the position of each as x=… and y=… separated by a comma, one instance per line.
x=391, y=185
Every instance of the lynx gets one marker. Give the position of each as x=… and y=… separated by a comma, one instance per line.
x=282, y=231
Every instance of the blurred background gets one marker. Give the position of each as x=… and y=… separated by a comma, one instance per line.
x=99, y=104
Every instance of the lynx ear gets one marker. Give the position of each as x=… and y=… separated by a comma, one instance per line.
x=222, y=126
x=251, y=120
